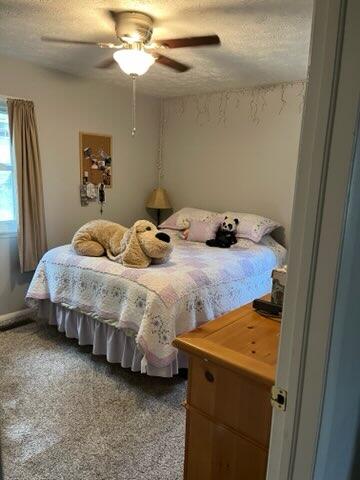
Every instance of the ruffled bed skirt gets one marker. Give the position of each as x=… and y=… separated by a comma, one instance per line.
x=119, y=346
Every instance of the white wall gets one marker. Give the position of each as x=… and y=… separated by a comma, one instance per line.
x=64, y=106
x=234, y=150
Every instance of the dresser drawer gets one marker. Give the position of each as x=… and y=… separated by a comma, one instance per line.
x=216, y=453
x=236, y=400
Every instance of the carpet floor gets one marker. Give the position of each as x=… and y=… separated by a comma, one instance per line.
x=66, y=414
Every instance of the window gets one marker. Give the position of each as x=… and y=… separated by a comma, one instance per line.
x=8, y=214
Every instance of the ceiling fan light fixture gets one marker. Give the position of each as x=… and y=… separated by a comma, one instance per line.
x=130, y=39
x=133, y=61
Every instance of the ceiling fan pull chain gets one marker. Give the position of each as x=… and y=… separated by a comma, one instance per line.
x=133, y=131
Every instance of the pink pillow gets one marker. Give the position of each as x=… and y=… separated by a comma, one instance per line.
x=200, y=231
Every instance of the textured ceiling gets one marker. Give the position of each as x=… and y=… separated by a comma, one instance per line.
x=263, y=41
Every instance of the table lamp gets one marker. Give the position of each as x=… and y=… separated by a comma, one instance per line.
x=158, y=200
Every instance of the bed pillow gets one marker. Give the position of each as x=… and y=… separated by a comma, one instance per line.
x=182, y=219
x=170, y=222
x=253, y=227
x=189, y=215
x=201, y=231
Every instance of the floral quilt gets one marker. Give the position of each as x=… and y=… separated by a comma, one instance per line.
x=198, y=284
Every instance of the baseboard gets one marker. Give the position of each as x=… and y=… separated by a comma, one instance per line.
x=18, y=315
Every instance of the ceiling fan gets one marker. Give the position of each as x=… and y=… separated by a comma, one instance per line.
x=135, y=50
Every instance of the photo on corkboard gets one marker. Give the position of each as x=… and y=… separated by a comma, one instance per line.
x=95, y=159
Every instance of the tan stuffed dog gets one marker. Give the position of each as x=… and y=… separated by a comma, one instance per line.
x=138, y=246
x=143, y=244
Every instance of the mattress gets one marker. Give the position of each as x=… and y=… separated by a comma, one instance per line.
x=155, y=304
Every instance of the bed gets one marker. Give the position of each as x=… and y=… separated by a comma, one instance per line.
x=132, y=315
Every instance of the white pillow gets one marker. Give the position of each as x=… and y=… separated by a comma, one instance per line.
x=182, y=219
x=251, y=226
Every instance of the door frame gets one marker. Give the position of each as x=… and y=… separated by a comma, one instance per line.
x=321, y=196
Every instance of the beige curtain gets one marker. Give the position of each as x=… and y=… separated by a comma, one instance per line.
x=25, y=145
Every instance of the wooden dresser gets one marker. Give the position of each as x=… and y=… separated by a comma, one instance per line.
x=232, y=364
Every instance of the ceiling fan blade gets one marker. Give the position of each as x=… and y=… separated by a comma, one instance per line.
x=80, y=42
x=107, y=63
x=190, y=41
x=113, y=15
x=169, y=62
x=65, y=40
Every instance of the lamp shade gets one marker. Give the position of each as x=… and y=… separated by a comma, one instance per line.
x=133, y=62
x=158, y=199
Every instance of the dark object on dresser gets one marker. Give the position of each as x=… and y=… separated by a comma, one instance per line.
x=232, y=363
x=267, y=308
x=225, y=235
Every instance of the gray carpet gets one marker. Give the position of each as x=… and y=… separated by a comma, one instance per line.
x=66, y=414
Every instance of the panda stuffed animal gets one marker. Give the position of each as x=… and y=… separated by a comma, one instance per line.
x=225, y=235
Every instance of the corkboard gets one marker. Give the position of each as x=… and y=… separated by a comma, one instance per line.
x=96, y=159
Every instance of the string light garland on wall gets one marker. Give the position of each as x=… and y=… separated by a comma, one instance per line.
x=159, y=199
x=159, y=161
x=214, y=107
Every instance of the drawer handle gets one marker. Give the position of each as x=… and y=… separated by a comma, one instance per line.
x=209, y=376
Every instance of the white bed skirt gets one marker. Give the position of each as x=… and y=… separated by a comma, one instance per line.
x=119, y=346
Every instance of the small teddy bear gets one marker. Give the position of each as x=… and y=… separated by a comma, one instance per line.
x=225, y=235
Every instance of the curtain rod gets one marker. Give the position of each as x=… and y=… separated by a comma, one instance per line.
x=5, y=97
